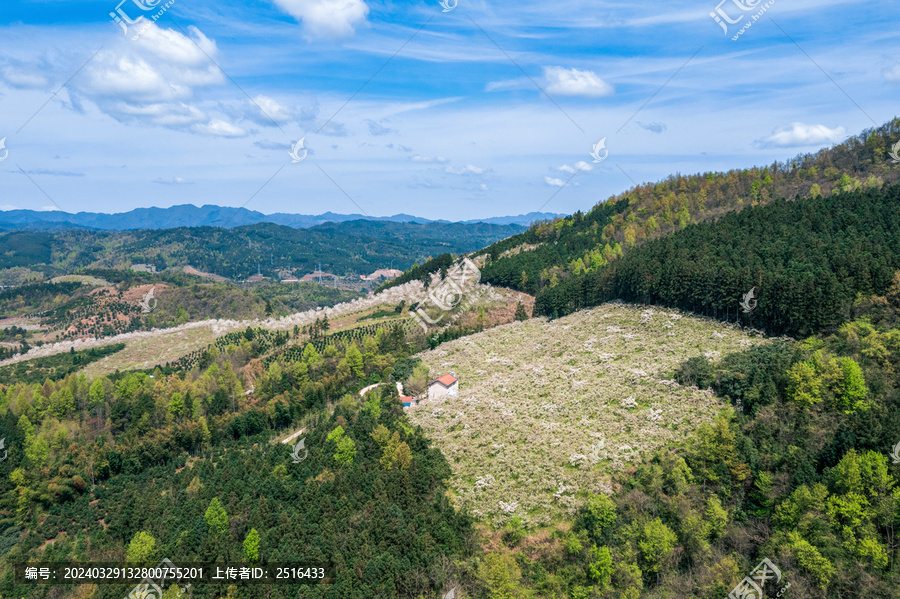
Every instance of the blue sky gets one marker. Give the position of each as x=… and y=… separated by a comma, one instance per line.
x=483, y=110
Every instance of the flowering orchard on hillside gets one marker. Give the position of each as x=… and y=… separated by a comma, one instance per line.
x=412, y=292
x=547, y=411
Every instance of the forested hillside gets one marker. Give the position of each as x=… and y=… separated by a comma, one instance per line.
x=142, y=467
x=808, y=260
x=551, y=251
x=799, y=472
x=353, y=247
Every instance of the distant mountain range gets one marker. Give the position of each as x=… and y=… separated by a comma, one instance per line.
x=188, y=215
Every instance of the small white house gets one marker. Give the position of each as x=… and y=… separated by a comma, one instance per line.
x=445, y=385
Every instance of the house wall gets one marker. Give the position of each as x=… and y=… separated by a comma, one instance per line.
x=438, y=390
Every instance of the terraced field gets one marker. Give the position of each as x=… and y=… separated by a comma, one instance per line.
x=547, y=411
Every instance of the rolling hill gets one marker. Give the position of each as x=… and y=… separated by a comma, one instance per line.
x=552, y=251
x=349, y=248
x=188, y=215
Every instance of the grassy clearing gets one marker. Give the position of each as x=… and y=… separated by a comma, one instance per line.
x=547, y=411
x=147, y=352
x=83, y=279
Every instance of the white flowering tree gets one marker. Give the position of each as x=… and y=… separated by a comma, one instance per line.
x=549, y=410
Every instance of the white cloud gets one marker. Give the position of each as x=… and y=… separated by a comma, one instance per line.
x=153, y=78
x=579, y=166
x=554, y=182
x=53, y=172
x=469, y=169
x=378, y=128
x=483, y=187
x=801, y=134
x=499, y=86
x=173, y=181
x=164, y=65
x=560, y=81
x=6, y=207
x=272, y=109
x=428, y=159
x=130, y=78
x=219, y=128
x=164, y=114
x=892, y=73
x=572, y=82
x=267, y=144
x=18, y=78
x=654, y=127
x=326, y=18
x=334, y=129
x=174, y=47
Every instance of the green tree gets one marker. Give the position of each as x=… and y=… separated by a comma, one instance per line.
x=205, y=435
x=311, y=356
x=141, y=549
x=521, y=314
x=500, y=574
x=336, y=434
x=716, y=517
x=176, y=405
x=37, y=450
x=656, y=542
x=601, y=566
x=853, y=387
x=597, y=517
x=97, y=393
x=804, y=386
x=354, y=360
x=346, y=451
x=216, y=518
x=810, y=560
x=251, y=546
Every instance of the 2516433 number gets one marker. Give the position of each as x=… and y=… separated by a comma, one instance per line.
x=299, y=573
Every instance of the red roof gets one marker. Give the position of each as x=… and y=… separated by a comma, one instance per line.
x=446, y=380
